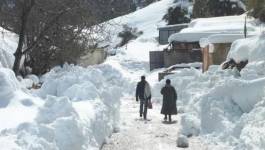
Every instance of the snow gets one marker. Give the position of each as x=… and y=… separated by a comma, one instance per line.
x=189, y=37
x=221, y=107
x=251, y=49
x=34, y=78
x=8, y=83
x=177, y=25
x=78, y=108
x=135, y=133
x=221, y=38
x=190, y=125
x=8, y=44
x=147, y=20
x=230, y=28
x=14, y=103
x=182, y=141
x=194, y=65
x=221, y=24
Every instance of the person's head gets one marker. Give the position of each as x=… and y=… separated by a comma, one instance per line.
x=142, y=78
x=168, y=81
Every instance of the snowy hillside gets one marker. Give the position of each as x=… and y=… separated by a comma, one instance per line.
x=146, y=20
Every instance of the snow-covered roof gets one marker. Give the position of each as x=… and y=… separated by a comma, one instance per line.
x=184, y=65
x=189, y=37
x=221, y=38
x=216, y=23
x=173, y=26
x=205, y=27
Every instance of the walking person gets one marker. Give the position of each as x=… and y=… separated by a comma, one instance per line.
x=169, y=101
x=143, y=92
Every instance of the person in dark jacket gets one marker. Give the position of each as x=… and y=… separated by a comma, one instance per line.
x=169, y=101
x=143, y=92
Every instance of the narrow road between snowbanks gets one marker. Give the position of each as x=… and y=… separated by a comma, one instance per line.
x=154, y=134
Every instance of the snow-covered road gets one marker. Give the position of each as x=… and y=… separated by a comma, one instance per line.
x=137, y=134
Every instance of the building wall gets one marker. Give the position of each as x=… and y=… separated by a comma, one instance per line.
x=156, y=59
x=176, y=57
x=217, y=57
x=179, y=53
x=205, y=59
x=182, y=52
x=220, y=53
x=164, y=35
x=166, y=32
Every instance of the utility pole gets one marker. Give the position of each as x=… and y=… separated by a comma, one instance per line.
x=245, y=27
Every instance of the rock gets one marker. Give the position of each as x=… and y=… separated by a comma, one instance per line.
x=182, y=141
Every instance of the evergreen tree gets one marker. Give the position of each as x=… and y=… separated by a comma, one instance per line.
x=200, y=9
x=176, y=15
x=257, y=8
x=214, y=8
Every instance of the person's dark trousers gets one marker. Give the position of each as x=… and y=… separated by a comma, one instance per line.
x=143, y=107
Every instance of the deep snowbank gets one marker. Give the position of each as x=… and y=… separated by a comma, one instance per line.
x=220, y=106
x=16, y=106
x=251, y=49
x=8, y=83
x=78, y=109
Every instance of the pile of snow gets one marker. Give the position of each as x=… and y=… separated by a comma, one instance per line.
x=76, y=108
x=213, y=103
x=182, y=141
x=223, y=108
x=16, y=106
x=8, y=83
x=8, y=44
x=251, y=49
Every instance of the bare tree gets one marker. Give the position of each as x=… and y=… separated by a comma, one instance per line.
x=52, y=32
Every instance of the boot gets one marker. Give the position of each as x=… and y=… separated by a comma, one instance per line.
x=165, y=118
x=170, y=118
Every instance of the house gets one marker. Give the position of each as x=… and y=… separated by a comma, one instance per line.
x=216, y=47
x=184, y=46
x=165, y=32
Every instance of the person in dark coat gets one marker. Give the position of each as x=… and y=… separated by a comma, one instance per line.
x=143, y=92
x=169, y=100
